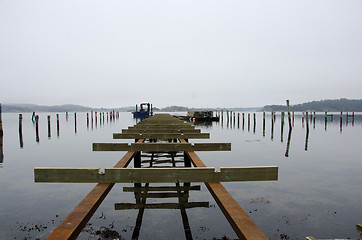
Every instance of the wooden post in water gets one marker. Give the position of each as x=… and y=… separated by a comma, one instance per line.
x=243, y=120
x=96, y=121
x=1, y=122
x=21, y=130
x=37, y=128
x=289, y=118
x=254, y=127
x=248, y=122
x=340, y=122
x=49, y=130
x=238, y=120
x=353, y=119
x=272, y=126
x=313, y=120
x=103, y=117
x=66, y=116
x=87, y=120
x=307, y=131
x=263, y=124
x=92, y=119
x=281, y=126
x=57, y=125
x=75, y=122
x=325, y=121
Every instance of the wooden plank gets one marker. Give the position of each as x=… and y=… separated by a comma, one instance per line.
x=162, y=188
x=160, y=135
x=157, y=130
x=239, y=220
x=155, y=175
x=161, y=147
x=73, y=224
x=126, y=206
x=162, y=126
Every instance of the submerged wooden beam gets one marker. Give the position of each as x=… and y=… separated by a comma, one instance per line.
x=162, y=188
x=154, y=175
x=161, y=147
x=160, y=135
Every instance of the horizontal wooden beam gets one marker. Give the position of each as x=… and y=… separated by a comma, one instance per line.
x=157, y=130
x=161, y=147
x=162, y=126
x=125, y=206
x=160, y=135
x=162, y=188
x=154, y=175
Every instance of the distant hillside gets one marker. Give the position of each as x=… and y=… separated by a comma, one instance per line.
x=336, y=105
x=60, y=108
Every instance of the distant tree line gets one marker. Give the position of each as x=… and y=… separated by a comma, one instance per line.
x=336, y=105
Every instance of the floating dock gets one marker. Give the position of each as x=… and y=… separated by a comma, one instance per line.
x=161, y=135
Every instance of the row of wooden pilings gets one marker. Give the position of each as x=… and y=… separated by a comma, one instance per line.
x=93, y=121
x=233, y=119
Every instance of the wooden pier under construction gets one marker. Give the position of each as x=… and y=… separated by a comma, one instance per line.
x=160, y=136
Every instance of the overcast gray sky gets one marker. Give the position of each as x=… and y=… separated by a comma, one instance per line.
x=195, y=53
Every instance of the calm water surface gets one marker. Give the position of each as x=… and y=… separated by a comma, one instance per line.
x=318, y=193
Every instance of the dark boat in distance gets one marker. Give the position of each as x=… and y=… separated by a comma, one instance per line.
x=143, y=112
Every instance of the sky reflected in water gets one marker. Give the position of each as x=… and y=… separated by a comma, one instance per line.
x=318, y=192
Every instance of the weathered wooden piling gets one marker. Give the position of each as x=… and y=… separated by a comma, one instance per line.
x=313, y=120
x=1, y=122
x=238, y=120
x=340, y=122
x=282, y=126
x=21, y=142
x=325, y=121
x=75, y=122
x=254, y=126
x=263, y=124
x=58, y=132
x=307, y=131
x=37, y=128
x=243, y=120
x=96, y=119
x=87, y=120
x=248, y=122
x=272, y=125
x=289, y=117
x=49, y=130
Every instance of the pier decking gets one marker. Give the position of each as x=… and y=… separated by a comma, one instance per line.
x=164, y=134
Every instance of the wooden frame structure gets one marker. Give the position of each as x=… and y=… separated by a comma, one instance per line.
x=242, y=224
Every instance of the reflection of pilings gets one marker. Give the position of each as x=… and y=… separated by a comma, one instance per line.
x=1, y=141
x=66, y=116
x=92, y=119
x=75, y=122
x=137, y=228
x=185, y=219
x=96, y=119
x=313, y=120
x=288, y=142
x=307, y=131
x=293, y=119
x=21, y=130
x=263, y=124
x=281, y=126
x=238, y=120
x=272, y=126
x=325, y=121
x=87, y=120
x=37, y=128
x=57, y=125
x=103, y=117
x=49, y=130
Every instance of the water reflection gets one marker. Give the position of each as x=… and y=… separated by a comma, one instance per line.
x=181, y=192
x=308, y=119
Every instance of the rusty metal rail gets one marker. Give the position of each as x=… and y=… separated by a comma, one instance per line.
x=239, y=220
x=73, y=224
